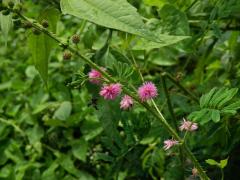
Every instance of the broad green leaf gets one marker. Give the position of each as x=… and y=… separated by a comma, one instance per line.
x=41, y=45
x=6, y=25
x=223, y=163
x=164, y=56
x=118, y=14
x=212, y=162
x=115, y=14
x=173, y=21
x=79, y=149
x=64, y=111
x=143, y=44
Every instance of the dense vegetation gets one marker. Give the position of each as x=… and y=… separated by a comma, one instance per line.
x=66, y=66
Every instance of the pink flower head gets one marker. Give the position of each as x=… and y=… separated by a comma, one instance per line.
x=147, y=91
x=194, y=172
x=94, y=76
x=126, y=102
x=188, y=125
x=169, y=143
x=111, y=91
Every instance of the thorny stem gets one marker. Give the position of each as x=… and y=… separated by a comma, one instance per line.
x=125, y=90
x=170, y=108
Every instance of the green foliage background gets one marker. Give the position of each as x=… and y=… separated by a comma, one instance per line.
x=54, y=125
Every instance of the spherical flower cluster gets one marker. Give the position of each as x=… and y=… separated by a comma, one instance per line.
x=188, y=125
x=126, y=102
x=111, y=91
x=169, y=143
x=194, y=172
x=95, y=76
x=147, y=91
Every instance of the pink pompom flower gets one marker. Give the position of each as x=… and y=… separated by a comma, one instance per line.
x=111, y=91
x=169, y=143
x=194, y=172
x=147, y=91
x=95, y=76
x=188, y=125
x=126, y=102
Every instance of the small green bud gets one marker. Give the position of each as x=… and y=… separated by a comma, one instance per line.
x=45, y=23
x=67, y=55
x=75, y=39
x=6, y=12
x=36, y=31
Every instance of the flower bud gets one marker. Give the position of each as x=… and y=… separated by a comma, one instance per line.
x=67, y=55
x=75, y=39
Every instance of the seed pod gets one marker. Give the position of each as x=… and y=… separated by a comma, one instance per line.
x=75, y=39
x=45, y=23
x=67, y=55
x=36, y=31
x=5, y=12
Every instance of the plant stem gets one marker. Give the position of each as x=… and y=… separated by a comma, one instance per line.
x=170, y=108
x=158, y=115
x=222, y=173
x=194, y=98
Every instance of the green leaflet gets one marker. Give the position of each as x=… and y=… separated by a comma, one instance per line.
x=41, y=45
x=222, y=164
x=118, y=15
x=216, y=103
